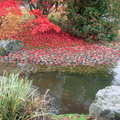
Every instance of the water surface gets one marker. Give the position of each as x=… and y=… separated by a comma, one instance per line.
x=74, y=92
x=72, y=89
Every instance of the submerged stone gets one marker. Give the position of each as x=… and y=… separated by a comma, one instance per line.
x=106, y=105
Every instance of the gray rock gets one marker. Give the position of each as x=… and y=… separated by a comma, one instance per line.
x=106, y=105
x=10, y=46
x=0, y=78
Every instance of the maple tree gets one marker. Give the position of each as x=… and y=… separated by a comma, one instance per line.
x=9, y=6
x=41, y=23
x=9, y=18
x=10, y=13
x=11, y=24
x=42, y=34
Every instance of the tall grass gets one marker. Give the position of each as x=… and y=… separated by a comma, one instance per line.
x=18, y=102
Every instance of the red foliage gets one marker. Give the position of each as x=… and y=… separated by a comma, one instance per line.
x=64, y=48
x=9, y=6
x=33, y=1
x=49, y=39
x=41, y=23
x=9, y=18
x=66, y=56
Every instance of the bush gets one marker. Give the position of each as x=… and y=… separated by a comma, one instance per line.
x=93, y=20
x=18, y=102
x=11, y=24
x=41, y=23
x=9, y=18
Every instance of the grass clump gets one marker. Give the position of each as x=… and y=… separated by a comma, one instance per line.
x=18, y=101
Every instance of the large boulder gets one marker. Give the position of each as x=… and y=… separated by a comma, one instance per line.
x=106, y=105
x=10, y=46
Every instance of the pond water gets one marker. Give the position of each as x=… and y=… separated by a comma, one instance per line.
x=72, y=89
x=74, y=92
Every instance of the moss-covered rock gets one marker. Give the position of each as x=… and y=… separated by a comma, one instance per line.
x=9, y=46
x=2, y=51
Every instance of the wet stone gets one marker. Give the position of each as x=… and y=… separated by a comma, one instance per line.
x=106, y=105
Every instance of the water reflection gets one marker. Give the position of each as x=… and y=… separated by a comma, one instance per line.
x=72, y=93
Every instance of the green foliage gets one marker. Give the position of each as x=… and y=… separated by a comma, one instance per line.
x=13, y=93
x=93, y=20
x=17, y=101
x=2, y=51
x=70, y=117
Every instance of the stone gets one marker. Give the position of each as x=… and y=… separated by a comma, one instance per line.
x=0, y=78
x=2, y=51
x=106, y=105
x=10, y=46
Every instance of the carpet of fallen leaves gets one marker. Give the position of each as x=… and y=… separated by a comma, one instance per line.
x=52, y=48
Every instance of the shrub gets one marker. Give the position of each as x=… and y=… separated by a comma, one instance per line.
x=93, y=20
x=5, y=7
x=41, y=23
x=18, y=101
x=11, y=24
x=9, y=18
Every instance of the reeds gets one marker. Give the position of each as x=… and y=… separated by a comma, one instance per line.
x=18, y=102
